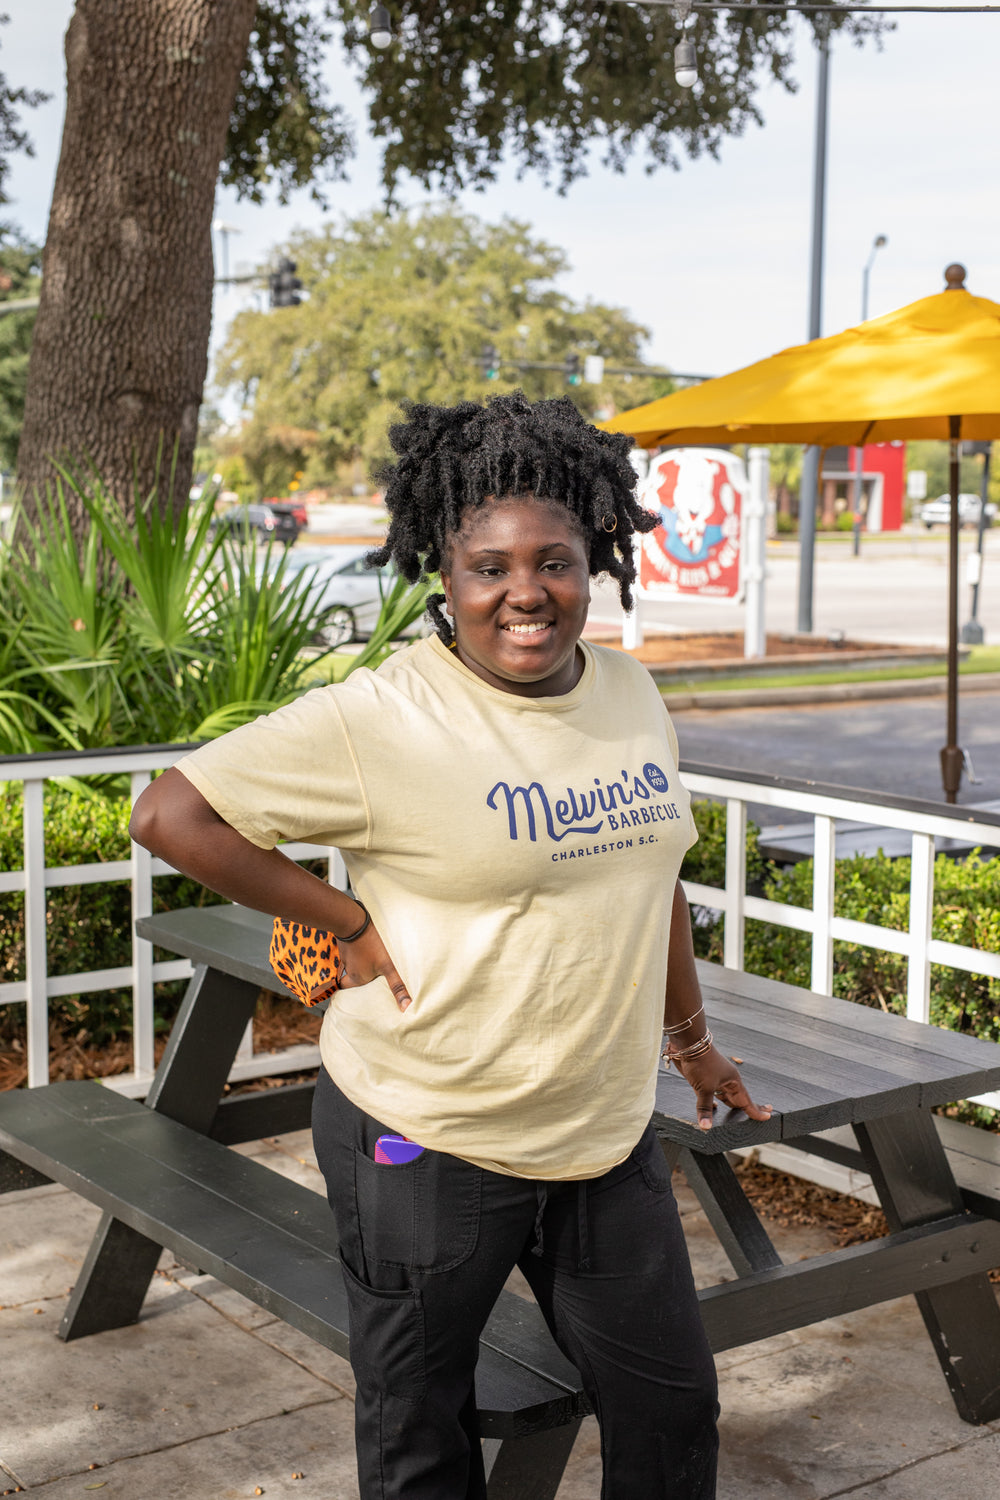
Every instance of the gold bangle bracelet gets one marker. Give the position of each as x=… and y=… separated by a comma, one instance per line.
x=683, y=1025
x=688, y=1054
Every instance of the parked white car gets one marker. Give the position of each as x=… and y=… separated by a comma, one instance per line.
x=938, y=512
x=350, y=590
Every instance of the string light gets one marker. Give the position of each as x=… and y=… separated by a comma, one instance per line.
x=685, y=63
x=685, y=57
x=380, y=27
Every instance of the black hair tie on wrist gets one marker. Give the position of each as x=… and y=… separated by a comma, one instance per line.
x=353, y=937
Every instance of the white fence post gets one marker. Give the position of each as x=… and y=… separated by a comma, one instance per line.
x=755, y=553
x=918, y=965
x=143, y=1023
x=35, y=949
x=336, y=870
x=736, y=883
x=824, y=860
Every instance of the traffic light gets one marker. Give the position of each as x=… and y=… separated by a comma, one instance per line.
x=489, y=363
x=571, y=369
x=284, y=285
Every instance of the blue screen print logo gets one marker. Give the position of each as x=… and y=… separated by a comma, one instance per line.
x=628, y=801
x=656, y=778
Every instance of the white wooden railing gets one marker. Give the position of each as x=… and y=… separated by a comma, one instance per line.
x=36, y=878
x=828, y=806
x=824, y=805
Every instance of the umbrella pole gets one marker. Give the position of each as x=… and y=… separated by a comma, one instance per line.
x=951, y=755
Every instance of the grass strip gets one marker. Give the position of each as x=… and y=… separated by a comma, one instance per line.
x=980, y=659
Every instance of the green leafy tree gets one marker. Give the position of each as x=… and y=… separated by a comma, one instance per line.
x=402, y=306
x=161, y=98
x=786, y=476
x=469, y=85
x=20, y=264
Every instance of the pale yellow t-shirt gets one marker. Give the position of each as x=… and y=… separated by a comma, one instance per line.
x=518, y=857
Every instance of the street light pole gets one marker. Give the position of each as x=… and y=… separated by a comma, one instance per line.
x=224, y=230
x=809, y=485
x=878, y=243
x=859, y=453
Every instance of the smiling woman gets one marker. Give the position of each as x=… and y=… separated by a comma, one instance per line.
x=517, y=582
x=514, y=963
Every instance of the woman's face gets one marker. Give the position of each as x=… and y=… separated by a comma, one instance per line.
x=517, y=584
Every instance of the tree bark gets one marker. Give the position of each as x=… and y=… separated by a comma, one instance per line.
x=120, y=346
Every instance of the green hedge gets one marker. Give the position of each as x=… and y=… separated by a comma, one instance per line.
x=869, y=888
x=88, y=926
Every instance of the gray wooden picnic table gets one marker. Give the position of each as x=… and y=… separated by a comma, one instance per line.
x=824, y=1064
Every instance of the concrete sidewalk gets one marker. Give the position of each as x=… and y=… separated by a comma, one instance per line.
x=210, y=1398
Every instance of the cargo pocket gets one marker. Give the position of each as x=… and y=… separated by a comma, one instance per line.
x=386, y=1332
x=422, y=1214
x=652, y=1163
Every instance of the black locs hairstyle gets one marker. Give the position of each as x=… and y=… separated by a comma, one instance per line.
x=452, y=458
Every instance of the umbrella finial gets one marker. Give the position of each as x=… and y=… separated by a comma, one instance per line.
x=954, y=275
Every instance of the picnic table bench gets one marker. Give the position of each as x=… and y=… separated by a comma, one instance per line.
x=843, y=1079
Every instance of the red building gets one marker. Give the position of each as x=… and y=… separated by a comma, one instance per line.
x=883, y=485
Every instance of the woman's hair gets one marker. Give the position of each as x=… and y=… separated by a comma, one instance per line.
x=453, y=458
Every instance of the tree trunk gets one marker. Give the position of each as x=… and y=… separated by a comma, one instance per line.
x=120, y=347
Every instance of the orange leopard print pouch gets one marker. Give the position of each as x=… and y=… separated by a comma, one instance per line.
x=305, y=959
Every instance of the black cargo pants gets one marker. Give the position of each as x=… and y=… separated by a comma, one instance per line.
x=426, y=1249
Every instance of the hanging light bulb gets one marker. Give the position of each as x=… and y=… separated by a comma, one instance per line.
x=685, y=57
x=685, y=63
x=380, y=27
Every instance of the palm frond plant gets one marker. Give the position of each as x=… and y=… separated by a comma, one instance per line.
x=149, y=631
x=63, y=605
x=263, y=620
x=154, y=628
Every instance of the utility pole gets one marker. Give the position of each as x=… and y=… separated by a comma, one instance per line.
x=972, y=632
x=809, y=486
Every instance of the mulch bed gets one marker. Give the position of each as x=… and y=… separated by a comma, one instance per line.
x=790, y=1202
x=278, y=1023
x=717, y=646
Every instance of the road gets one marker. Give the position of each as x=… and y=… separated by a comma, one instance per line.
x=887, y=746
x=896, y=591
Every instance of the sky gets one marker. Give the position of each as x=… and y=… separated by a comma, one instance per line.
x=714, y=259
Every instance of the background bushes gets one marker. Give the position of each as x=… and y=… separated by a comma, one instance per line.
x=869, y=888
x=88, y=926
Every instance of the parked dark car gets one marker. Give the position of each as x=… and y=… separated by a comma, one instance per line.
x=262, y=522
x=294, y=508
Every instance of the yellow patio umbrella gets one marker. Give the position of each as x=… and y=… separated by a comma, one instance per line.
x=928, y=370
